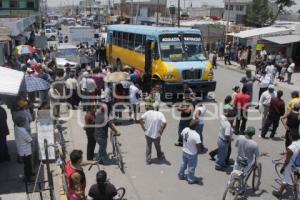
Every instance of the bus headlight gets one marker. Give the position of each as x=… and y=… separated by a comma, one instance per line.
x=169, y=76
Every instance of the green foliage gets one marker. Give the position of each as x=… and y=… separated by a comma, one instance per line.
x=282, y=4
x=259, y=13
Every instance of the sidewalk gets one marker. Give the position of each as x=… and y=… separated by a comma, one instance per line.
x=236, y=67
x=12, y=185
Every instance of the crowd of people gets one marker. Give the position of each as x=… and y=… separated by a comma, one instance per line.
x=282, y=66
x=103, y=102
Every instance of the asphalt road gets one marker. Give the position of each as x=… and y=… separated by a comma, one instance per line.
x=159, y=180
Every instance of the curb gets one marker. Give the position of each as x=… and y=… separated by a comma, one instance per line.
x=232, y=67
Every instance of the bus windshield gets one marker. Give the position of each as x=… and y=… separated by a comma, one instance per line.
x=179, y=48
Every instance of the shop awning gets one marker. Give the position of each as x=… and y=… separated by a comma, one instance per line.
x=283, y=39
x=10, y=81
x=259, y=31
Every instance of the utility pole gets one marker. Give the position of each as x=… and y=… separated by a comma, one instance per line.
x=178, y=14
x=157, y=11
x=227, y=24
x=131, y=11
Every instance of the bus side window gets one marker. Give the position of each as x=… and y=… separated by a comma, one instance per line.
x=120, y=39
x=125, y=40
x=115, y=38
x=131, y=41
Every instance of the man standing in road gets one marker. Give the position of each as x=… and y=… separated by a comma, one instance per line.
x=247, y=147
x=102, y=123
x=134, y=99
x=264, y=103
x=241, y=103
x=225, y=136
x=192, y=146
x=154, y=124
x=290, y=70
x=276, y=110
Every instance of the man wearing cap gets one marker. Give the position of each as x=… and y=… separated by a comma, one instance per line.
x=276, y=110
x=264, y=102
x=247, y=147
x=23, y=111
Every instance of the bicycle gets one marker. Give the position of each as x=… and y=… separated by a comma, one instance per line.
x=117, y=153
x=121, y=191
x=237, y=184
x=295, y=176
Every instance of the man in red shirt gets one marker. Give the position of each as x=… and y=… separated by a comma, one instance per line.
x=241, y=103
x=75, y=175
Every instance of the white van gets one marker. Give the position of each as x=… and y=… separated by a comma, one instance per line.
x=82, y=34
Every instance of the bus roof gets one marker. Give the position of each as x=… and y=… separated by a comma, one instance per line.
x=151, y=30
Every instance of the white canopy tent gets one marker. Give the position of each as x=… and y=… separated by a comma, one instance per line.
x=10, y=81
x=283, y=39
x=259, y=32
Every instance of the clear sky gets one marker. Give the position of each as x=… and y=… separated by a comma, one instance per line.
x=187, y=2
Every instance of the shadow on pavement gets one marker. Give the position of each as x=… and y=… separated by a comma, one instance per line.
x=160, y=161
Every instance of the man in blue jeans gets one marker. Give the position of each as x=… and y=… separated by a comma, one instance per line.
x=192, y=146
x=224, y=140
x=102, y=123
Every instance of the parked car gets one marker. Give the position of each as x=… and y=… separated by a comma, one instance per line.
x=51, y=34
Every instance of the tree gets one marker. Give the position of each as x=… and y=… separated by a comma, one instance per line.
x=259, y=13
x=282, y=4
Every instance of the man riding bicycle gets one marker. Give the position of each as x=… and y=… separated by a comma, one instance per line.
x=286, y=170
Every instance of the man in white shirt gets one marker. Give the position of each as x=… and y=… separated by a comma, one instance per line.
x=224, y=139
x=199, y=116
x=271, y=70
x=88, y=87
x=134, y=99
x=23, y=142
x=290, y=70
x=153, y=123
x=286, y=170
x=192, y=146
x=263, y=53
x=264, y=102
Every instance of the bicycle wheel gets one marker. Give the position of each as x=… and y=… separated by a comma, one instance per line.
x=120, y=158
x=232, y=190
x=121, y=192
x=256, y=177
x=278, y=166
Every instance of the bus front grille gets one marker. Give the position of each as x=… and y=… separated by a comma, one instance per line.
x=191, y=74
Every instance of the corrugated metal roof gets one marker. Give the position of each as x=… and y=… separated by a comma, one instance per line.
x=4, y=34
x=283, y=39
x=259, y=31
x=5, y=38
